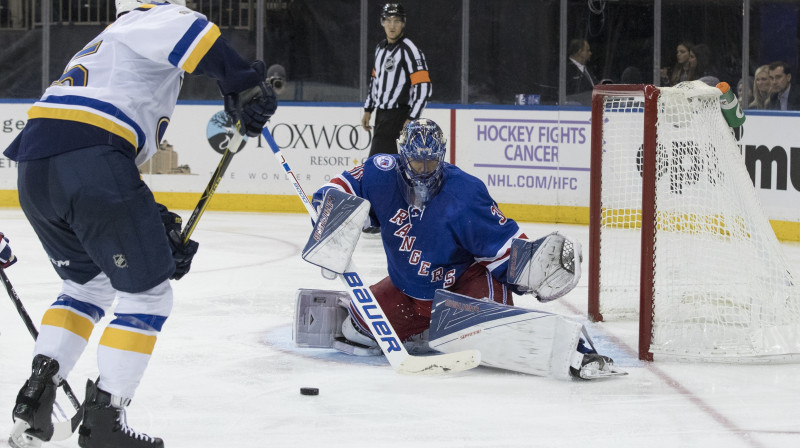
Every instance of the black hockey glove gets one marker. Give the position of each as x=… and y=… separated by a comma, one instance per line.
x=181, y=253
x=253, y=107
x=6, y=257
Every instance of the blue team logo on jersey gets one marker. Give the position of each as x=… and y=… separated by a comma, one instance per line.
x=219, y=132
x=384, y=162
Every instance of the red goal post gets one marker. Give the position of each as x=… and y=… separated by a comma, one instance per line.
x=677, y=237
x=649, y=94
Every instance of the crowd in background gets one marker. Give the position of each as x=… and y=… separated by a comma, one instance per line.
x=770, y=87
x=771, y=83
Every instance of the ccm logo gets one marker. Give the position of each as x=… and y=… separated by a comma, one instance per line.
x=368, y=308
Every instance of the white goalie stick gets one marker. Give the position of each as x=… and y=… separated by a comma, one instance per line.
x=371, y=311
x=63, y=425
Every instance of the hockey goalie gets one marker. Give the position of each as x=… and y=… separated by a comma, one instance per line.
x=454, y=261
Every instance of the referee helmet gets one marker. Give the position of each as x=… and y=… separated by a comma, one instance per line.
x=393, y=9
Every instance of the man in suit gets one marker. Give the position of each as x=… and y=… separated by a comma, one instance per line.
x=579, y=79
x=782, y=94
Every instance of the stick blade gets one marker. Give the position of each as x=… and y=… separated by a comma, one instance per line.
x=63, y=429
x=440, y=364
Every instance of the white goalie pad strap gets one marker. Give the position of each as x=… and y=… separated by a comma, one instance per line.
x=549, y=267
x=336, y=231
x=511, y=338
x=318, y=317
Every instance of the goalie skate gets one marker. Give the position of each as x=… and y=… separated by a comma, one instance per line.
x=594, y=366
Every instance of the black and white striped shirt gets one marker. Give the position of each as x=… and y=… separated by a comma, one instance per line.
x=400, y=77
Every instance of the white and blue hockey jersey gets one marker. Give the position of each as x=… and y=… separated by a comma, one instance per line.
x=429, y=250
x=122, y=87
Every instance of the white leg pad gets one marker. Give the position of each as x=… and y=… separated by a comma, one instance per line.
x=511, y=338
x=318, y=317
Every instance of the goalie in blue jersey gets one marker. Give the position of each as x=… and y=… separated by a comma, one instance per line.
x=107, y=238
x=442, y=231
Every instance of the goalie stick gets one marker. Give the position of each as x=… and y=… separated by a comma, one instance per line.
x=62, y=429
x=370, y=309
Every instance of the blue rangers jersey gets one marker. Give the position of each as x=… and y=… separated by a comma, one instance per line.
x=429, y=250
x=121, y=88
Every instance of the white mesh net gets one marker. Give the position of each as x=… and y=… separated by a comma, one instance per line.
x=723, y=289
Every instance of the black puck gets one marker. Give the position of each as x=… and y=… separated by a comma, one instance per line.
x=309, y=391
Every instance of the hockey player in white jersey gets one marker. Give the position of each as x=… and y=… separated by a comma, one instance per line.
x=98, y=222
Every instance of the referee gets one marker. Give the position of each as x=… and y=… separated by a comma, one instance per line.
x=399, y=86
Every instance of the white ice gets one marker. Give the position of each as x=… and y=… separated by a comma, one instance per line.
x=225, y=372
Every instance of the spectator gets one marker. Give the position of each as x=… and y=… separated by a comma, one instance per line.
x=631, y=75
x=782, y=95
x=761, y=89
x=740, y=89
x=580, y=81
x=701, y=62
x=681, y=71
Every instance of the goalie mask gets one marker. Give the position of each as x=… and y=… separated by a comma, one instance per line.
x=124, y=6
x=421, y=147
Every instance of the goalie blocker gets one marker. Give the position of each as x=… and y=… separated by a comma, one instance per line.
x=336, y=232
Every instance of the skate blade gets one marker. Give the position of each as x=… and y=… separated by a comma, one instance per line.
x=601, y=374
x=19, y=439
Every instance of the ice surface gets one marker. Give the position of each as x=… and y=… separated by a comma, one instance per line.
x=226, y=374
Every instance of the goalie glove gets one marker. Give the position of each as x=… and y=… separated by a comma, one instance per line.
x=549, y=267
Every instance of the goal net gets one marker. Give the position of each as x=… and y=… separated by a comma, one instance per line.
x=678, y=239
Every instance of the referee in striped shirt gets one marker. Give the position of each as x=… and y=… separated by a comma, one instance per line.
x=399, y=86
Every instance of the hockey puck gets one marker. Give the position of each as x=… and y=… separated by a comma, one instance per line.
x=309, y=391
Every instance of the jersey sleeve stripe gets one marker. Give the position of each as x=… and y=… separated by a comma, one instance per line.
x=90, y=111
x=420, y=77
x=194, y=44
x=341, y=184
x=502, y=256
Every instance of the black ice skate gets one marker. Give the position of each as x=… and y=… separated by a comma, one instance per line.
x=104, y=424
x=34, y=406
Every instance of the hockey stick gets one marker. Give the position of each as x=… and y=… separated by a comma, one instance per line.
x=370, y=309
x=62, y=430
x=227, y=156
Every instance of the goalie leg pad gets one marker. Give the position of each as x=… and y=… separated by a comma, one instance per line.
x=549, y=267
x=318, y=317
x=511, y=338
x=336, y=231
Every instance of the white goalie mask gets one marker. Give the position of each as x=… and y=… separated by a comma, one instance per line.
x=124, y=6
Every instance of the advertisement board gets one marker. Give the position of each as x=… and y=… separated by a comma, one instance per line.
x=535, y=162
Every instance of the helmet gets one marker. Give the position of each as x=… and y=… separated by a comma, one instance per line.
x=393, y=9
x=124, y=6
x=421, y=147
